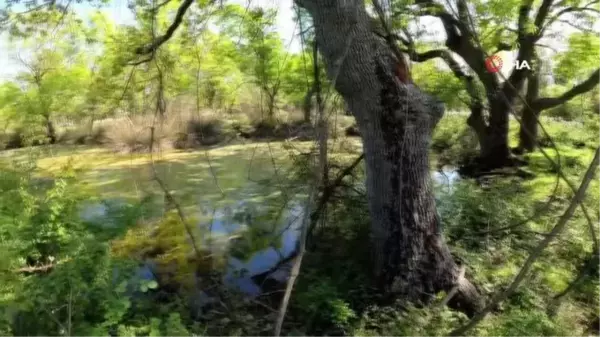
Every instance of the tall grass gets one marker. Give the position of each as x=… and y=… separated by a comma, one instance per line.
x=183, y=129
x=183, y=126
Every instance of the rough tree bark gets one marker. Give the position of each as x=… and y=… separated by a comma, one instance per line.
x=396, y=120
x=528, y=131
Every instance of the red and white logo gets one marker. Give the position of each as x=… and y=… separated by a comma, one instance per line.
x=493, y=63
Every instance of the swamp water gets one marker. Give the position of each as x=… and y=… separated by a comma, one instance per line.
x=229, y=223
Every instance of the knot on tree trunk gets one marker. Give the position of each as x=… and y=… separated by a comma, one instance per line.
x=405, y=102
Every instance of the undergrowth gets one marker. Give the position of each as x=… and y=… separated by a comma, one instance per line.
x=136, y=273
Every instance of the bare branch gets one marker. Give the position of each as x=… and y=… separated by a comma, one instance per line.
x=578, y=27
x=584, y=271
x=41, y=268
x=160, y=5
x=425, y=56
x=573, y=9
x=547, y=46
x=308, y=219
x=141, y=61
x=434, y=9
x=329, y=190
x=463, y=12
x=157, y=42
x=502, y=46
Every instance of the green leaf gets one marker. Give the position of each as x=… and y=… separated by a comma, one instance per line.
x=152, y=284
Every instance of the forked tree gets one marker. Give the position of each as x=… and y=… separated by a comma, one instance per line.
x=476, y=30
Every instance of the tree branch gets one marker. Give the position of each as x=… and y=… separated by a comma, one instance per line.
x=524, y=10
x=36, y=269
x=434, y=9
x=162, y=4
x=425, y=56
x=315, y=215
x=463, y=13
x=547, y=47
x=527, y=44
x=577, y=26
x=328, y=191
x=542, y=14
x=157, y=42
x=567, y=10
x=460, y=40
x=587, y=85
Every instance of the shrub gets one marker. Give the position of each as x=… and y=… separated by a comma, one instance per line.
x=453, y=141
x=83, y=136
x=132, y=135
x=265, y=129
x=408, y=321
x=22, y=137
x=57, y=273
x=129, y=138
x=468, y=209
x=14, y=140
x=192, y=131
x=205, y=131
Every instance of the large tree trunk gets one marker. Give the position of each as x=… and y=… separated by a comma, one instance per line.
x=529, y=128
x=308, y=98
x=396, y=120
x=307, y=105
x=528, y=132
x=494, y=150
x=50, y=130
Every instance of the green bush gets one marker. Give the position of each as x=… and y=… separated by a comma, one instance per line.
x=58, y=276
x=205, y=131
x=453, y=141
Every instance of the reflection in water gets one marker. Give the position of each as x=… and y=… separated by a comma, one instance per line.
x=266, y=259
x=234, y=220
x=446, y=176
